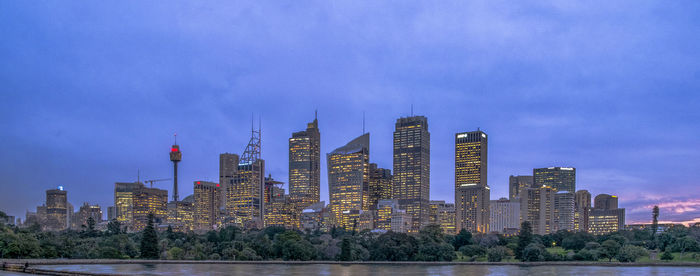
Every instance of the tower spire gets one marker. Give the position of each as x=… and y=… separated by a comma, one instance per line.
x=363, y=122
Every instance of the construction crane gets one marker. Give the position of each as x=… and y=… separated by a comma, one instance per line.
x=157, y=180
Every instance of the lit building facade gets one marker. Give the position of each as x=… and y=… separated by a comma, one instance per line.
x=228, y=166
x=315, y=217
x=559, y=178
x=244, y=196
x=149, y=201
x=412, y=168
x=305, y=165
x=537, y=207
x=505, y=214
x=606, y=217
x=380, y=185
x=124, y=200
x=443, y=214
x=207, y=203
x=517, y=183
x=472, y=194
x=348, y=181
x=181, y=214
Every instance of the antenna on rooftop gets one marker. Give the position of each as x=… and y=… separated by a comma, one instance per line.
x=411, y=110
x=363, y=122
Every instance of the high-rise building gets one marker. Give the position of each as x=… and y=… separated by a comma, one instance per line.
x=280, y=208
x=537, y=207
x=148, y=201
x=348, y=180
x=564, y=211
x=559, y=178
x=443, y=214
x=305, y=165
x=582, y=207
x=207, y=203
x=412, y=168
x=505, y=214
x=472, y=192
x=315, y=217
x=228, y=166
x=245, y=192
x=124, y=200
x=56, y=209
x=605, y=217
x=380, y=185
x=516, y=183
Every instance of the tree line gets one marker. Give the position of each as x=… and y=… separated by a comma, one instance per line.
x=277, y=243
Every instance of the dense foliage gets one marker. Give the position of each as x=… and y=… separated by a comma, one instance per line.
x=277, y=243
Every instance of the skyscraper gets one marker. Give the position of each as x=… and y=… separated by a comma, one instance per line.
x=56, y=209
x=348, y=180
x=412, y=168
x=537, y=207
x=380, y=185
x=228, y=166
x=124, y=200
x=559, y=178
x=516, y=183
x=472, y=193
x=244, y=192
x=207, y=202
x=305, y=165
x=443, y=214
x=564, y=210
x=148, y=201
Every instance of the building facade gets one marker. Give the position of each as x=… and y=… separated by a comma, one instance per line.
x=56, y=209
x=148, y=201
x=605, y=217
x=517, y=183
x=207, y=203
x=305, y=165
x=348, y=181
x=412, y=168
x=380, y=185
x=558, y=178
x=472, y=194
x=505, y=214
x=244, y=195
x=443, y=214
x=537, y=207
x=564, y=211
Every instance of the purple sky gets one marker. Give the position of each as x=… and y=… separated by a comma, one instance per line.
x=91, y=92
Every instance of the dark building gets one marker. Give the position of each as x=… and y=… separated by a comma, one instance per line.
x=559, y=178
x=56, y=209
x=380, y=185
x=412, y=168
x=517, y=183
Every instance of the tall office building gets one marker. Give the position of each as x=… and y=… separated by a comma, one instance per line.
x=505, y=214
x=537, y=207
x=228, y=166
x=85, y=212
x=305, y=165
x=181, y=214
x=56, y=209
x=348, y=180
x=605, y=217
x=207, y=203
x=280, y=208
x=124, y=200
x=559, y=178
x=517, y=183
x=564, y=211
x=412, y=168
x=148, y=201
x=582, y=207
x=245, y=191
x=472, y=193
x=380, y=185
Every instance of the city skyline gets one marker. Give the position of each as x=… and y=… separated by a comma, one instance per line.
x=86, y=116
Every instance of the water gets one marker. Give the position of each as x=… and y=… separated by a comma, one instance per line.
x=360, y=269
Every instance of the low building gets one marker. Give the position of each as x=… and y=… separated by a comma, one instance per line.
x=505, y=214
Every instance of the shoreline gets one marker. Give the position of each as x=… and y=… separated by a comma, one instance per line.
x=34, y=262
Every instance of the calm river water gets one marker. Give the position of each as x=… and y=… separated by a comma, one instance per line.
x=373, y=269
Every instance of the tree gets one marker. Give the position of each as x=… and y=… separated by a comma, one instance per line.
x=472, y=250
x=609, y=249
x=462, y=238
x=533, y=253
x=345, y=250
x=149, y=241
x=524, y=239
x=686, y=244
x=630, y=253
x=496, y=254
x=667, y=256
x=655, y=221
x=114, y=227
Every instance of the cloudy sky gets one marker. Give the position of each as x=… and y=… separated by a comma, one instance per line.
x=92, y=91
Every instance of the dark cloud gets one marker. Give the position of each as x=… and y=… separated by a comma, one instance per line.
x=91, y=92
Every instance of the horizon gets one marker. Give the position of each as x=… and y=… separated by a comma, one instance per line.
x=93, y=92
